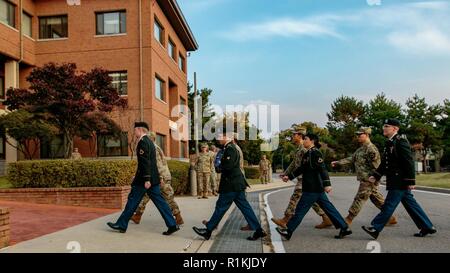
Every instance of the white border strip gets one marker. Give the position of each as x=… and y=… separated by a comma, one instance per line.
x=277, y=243
x=422, y=191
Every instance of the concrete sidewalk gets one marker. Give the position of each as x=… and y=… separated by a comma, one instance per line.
x=96, y=237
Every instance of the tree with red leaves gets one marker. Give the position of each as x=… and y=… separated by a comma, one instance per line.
x=68, y=99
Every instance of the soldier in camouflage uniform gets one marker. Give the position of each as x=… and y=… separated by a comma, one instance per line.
x=166, y=188
x=264, y=168
x=298, y=134
x=204, y=166
x=214, y=175
x=365, y=161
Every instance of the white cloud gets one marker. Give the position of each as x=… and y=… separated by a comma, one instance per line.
x=414, y=28
x=284, y=27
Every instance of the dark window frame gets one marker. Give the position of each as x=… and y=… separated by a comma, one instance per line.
x=173, y=52
x=163, y=144
x=182, y=62
x=102, y=149
x=31, y=23
x=43, y=35
x=11, y=16
x=161, y=39
x=122, y=22
x=163, y=84
x=120, y=72
x=3, y=155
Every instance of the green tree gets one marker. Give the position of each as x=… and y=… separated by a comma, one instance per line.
x=422, y=130
x=376, y=112
x=343, y=121
x=27, y=130
x=207, y=112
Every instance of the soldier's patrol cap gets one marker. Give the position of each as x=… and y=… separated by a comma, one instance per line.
x=299, y=130
x=364, y=130
x=392, y=122
x=141, y=124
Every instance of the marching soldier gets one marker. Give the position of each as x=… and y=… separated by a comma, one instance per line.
x=297, y=138
x=397, y=164
x=365, y=160
x=264, y=168
x=146, y=180
x=316, y=183
x=204, y=166
x=166, y=187
x=232, y=189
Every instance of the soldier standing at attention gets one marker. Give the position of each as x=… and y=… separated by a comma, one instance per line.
x=146, y=180
x=204, y=166
x=166, y=187
x=397, y=164
x=264, y=167
x=316, y=183
x=297, y=137
x=365, y=161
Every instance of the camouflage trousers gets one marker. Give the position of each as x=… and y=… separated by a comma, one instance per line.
x=168, y=194
x=203, y=183
x=366, y=190
x=290, y=210
x=265, y=177
x=214, y=183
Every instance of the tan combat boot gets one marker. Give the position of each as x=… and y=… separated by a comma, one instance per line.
x=392, y=221
x=326, y=222
x=179, y=219
x=281, y=222
x=136, y=218
x=349, y=220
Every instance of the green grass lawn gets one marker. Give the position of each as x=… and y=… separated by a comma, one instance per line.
x=4, y=183
x=439, y=180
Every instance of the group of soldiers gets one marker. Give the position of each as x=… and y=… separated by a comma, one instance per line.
x=396, y=164
x=152, y=182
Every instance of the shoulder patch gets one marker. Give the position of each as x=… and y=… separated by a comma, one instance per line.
x=141, y=152
x=320, y=160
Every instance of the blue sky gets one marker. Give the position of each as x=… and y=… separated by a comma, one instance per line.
x=302, y=54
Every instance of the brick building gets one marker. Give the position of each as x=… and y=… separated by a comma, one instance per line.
x=143, y=43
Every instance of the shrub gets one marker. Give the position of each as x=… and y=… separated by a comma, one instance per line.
x=86, y=173
x=252, y=172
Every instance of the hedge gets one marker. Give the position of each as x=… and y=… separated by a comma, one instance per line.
x=252, y=172
x=86, y=173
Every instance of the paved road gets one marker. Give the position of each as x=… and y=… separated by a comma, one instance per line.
x=392, y=239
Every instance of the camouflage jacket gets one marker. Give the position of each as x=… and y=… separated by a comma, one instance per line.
x=264, y=165
x=205, y=163
x=365, y=161
x=297, y=162
x=163, y=167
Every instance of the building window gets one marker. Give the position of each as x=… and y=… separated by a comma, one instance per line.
x=7, y=13
x=160, y=88
x=53, y=148
x=2, y=87
x=183, y=106
x=171, y=49
x=182, y=63
x=53, y=27
x=109, y=145
x=27, y=24
x=161, y=142
x=183, y=149
x=120, y=82
x=111, y=23
x=158, y=32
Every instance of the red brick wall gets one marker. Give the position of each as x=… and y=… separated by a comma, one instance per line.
x=4, y=227
x=95, y=197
